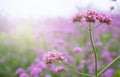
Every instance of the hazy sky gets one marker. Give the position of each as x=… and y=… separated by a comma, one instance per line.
x=36, y=8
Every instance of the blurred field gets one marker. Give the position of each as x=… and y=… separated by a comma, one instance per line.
x=22, y=45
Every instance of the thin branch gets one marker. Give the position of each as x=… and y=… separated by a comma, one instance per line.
x=75, y=70
x=108, y=65
x=96, y=26
x=85, y=26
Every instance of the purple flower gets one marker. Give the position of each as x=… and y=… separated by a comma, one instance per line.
x=92, y=17
x=53, y=56
x=77, y=18
x=81, y=65
x=91, y=68
x=19, y=71
x=48, y=75
x=77, y=50
x=36, y=71
x=41, y=65
x=105, y=54
x=100, y=64
x=119, y=66
x=60, y=69
x=24, y=75
x=99, y=44
x=2, y=60
x=108, y=73
x=104, y=18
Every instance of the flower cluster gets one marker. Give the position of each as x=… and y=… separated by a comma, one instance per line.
x=53, y=56
x=78, y=18
x=92, y=17
x=104, y=18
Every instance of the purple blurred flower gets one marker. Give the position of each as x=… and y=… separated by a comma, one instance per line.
x=91, y=68
x=77, y=50
x=108, y=73
x=81, y=65
x=69, y=59
x=2, y=60
x=41, y=65
x=105, y=54
x=24, y=75
x=19, y=71
x=119, y=66
x=60, y=69
x=99, y=44
x=36, y=71
x=37, y=60
x=48, y=75
x=100, y=64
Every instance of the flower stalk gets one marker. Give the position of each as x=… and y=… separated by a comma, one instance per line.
x=94, y=51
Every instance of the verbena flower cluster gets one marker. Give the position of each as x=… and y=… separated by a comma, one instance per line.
x=93, y=17
x=52, y=57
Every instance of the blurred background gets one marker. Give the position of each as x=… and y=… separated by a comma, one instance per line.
x=30, y=28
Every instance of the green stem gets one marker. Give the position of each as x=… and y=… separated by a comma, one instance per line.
x=94, y=51
x=108, y=65
x=75, y=70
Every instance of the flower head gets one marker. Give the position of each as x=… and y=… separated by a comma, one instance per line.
x=53, y=56
x=78, y=18
x=92, y=17
x=104, y=18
